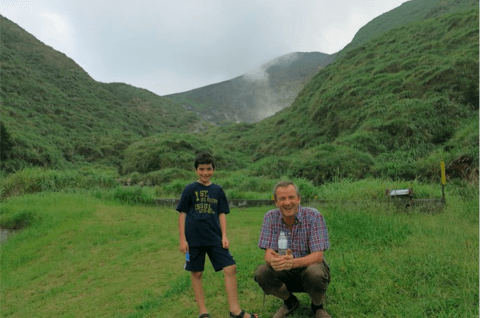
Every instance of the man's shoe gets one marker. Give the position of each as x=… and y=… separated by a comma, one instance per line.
x=283, y=311
x=321, y=313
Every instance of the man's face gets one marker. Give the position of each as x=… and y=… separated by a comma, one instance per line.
x=287, y=201
x=204, y=173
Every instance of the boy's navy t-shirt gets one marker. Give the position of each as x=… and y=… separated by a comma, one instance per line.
x=203, y=204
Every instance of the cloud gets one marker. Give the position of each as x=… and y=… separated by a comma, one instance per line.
x=18, y=6
x=173, y=46
x=56, y=31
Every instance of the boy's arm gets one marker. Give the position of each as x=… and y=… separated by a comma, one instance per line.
x=181, y=229
x=223, y=226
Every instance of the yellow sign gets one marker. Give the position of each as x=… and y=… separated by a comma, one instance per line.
x=442, y=167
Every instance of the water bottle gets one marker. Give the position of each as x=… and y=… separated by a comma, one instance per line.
x=282, y=243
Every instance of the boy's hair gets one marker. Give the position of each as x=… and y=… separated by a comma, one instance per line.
x=204, y=159
x=284, y=184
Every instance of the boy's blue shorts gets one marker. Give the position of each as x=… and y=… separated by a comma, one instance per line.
x=219, y=257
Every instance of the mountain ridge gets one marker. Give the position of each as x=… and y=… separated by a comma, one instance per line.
x=55, y=114
x=392, y=107
x=257, y=94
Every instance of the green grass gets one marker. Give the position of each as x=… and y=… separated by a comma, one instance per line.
x=81, y=256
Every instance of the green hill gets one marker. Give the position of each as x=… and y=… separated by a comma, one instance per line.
x=391, y=107
x=256, y=95
x=273, y=86
x=394, y=107
x=56, y=115
x=408, y=12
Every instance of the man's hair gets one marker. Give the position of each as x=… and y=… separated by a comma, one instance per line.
x=284, y=184
x=204, y=159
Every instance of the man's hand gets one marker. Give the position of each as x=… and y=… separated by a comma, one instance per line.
x=225, y=242
x=184, y=246
x=282, y=263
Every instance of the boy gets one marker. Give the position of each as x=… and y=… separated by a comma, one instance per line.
x=203, y=229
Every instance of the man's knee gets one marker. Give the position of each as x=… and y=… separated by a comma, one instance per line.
x=316, y=278
x=261, y=274
x=266, y=279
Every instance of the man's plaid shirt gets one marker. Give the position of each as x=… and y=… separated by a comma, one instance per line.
x=309, y=233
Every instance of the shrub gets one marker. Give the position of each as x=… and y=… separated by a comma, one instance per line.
x=273, y=166
x=328, y=162
x=132, y=195
x=175, y=187
x=307, y=190
x=163, y=151
x=19, y=220
x=33, y=180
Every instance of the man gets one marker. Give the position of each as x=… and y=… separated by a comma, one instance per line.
x=303, y=268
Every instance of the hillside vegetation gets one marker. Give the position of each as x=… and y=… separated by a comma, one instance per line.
x=408, y=12
x=256, y=95
x=56, y=115
x=393, y=106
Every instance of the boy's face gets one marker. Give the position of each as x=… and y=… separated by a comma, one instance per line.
x=204, y=173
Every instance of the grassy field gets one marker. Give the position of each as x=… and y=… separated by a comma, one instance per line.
x=82, y=256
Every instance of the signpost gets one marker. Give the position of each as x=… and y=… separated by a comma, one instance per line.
x=444, y=179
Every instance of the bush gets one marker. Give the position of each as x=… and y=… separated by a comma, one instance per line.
x=273, y=166
x=163, y=151
x=6, y=143
x=329, y=162
x=175, y=187
x=19, y=220
x=166, y=175
x=307, y=190
x=33, y=180
x=132, y=195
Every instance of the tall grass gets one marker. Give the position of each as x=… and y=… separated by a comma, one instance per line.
x=169, y=183
x=81, y=256
x=34, y=180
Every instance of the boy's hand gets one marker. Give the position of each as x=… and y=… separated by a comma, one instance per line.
x=184, y=247
x=225, y=242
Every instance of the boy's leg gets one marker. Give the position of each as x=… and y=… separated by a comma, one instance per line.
x=232, y=295
x=231, y=288
x=198, y=291
x=222, y=260
x=196, y=265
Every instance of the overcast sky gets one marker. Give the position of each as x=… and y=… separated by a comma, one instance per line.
x=171, y=46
